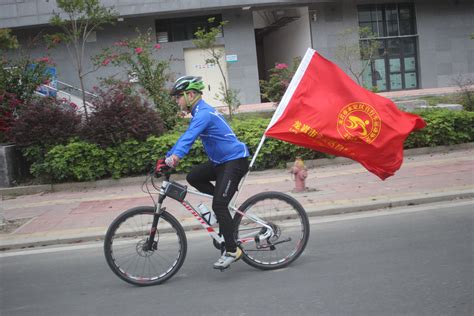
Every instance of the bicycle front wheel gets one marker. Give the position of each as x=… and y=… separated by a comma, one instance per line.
x=288, y=221
x=129, y=255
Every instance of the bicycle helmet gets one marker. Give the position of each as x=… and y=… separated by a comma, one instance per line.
x=187, y=83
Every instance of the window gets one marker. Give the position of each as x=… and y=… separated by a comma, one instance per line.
x=394, y=26
x=182, y=29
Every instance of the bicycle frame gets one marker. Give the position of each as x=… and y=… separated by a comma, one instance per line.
x=210, y=230
x=232, y=207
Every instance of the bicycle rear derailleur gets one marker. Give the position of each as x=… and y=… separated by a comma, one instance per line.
x=268, y=238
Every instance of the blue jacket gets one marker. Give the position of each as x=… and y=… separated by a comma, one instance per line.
x=218, y=139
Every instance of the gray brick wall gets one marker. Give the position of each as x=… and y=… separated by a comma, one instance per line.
x=34, y=12
x=445, y=48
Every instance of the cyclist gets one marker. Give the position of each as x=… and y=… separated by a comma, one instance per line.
x=227, y=155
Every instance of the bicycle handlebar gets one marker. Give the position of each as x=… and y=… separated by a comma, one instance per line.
x=164, y=171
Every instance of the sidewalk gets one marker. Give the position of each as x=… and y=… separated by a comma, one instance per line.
x=72, y=216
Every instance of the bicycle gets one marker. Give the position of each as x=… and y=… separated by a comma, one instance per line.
x=146, y=245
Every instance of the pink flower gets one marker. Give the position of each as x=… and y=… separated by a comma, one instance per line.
x=157, y=46
x=56, y=39
x=73, y=105
x=106, y=61
x=120, y=44
x=138, y=50
x=281, y=66
x=43, y=60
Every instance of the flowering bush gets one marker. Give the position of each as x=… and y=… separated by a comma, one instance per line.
x=19, y=79
x=22, y=76
x=138, y=57
x=119, y=114
x=279, y=79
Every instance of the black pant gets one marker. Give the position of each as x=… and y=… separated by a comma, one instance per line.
x=227, y=177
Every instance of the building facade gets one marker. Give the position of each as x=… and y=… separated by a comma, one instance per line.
x=423, y=43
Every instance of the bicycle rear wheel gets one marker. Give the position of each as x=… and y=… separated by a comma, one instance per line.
x=126, y=247
x=288, y=220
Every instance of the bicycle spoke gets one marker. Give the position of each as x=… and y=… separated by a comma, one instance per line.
x=126, y=247
x=290, y=230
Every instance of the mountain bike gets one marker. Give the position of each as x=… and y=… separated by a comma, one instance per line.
x=147, y=245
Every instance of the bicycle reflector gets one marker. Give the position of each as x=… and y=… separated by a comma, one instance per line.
x=176, y=191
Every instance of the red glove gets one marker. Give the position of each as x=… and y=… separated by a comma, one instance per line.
x=160, y=165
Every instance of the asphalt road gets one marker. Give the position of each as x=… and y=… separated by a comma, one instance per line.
x=407, y=261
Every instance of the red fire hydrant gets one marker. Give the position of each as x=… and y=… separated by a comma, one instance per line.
x=300, y=173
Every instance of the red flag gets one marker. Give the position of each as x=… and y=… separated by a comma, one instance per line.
x=325, y=110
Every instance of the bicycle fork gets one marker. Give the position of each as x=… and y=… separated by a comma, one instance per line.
x=150, y=244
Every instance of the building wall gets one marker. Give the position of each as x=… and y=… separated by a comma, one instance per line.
x=444, y=27
x=288, y=42
x=14, y=13
x=445, y=48
x=239, y=39
x=327, y=20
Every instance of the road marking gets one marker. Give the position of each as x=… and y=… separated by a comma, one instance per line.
x=50, y=250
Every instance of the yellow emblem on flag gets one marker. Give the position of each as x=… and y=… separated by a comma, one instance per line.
x=359, y=122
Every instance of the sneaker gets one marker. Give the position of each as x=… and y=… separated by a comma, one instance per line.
x=227, y=258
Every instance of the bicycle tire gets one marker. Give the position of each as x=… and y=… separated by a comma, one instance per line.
x=126, y=256
x=284, y=213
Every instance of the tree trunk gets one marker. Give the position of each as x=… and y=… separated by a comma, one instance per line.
x=83, y=91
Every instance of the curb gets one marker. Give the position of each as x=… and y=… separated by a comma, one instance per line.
x=323, y=210
x=35, y=189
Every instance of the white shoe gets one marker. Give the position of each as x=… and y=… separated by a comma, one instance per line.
x=227, y=258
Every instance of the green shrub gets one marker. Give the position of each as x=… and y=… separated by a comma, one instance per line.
x=159, y=146
x=83, y=161
x=77, y=161
x=444, y=127
x=129, y=158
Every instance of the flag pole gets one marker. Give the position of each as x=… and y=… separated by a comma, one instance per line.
x=232, y=203
x=257, y=151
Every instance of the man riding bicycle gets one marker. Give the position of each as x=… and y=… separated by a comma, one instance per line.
x=227, y=158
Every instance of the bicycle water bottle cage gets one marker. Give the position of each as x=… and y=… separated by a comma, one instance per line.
x=176, y=191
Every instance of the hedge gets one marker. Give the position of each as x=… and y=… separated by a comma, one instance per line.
x=82, y=161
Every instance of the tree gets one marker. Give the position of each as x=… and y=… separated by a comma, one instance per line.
x=137, y=57
x=82, y=18
x=356, y=50
x=206, y=40
x=7, y=40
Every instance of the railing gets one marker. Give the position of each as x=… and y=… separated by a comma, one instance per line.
x=60, y=93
